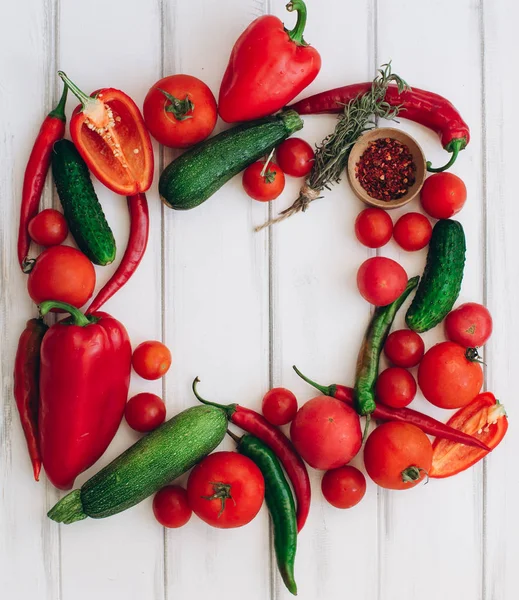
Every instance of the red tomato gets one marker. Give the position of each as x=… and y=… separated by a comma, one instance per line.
x=62, y=273
x=343, y=487
x=326, y=433
x=395, y=387
x=404, y=348
x=412, y=231
x=179, y=111
x=145, y=412
x=263, y=184
x=171, y=507
x=381, y=280
x=279, y=406
x=470, y=325
x=295, y=157
x=448, y=378
x=48, y=228
x=151, y=360
x=443, y=195
x=226, y=490
x=373, y=227
x=397, y=456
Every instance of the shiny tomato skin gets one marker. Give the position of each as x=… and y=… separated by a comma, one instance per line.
x=64, y=274
x=373, y=227
x=295, y=157
x=48, y=228
x=151, y=359
x=395, y=387
x=263, y=188
x=404, y=348
x=326, y=433
x=171, y=507
x=279, y=406
x=470, y=325
x=381, y=280
x=412, y=231
x=193, y=127
x=443, y=195
x=447, y=378
x=392, y=448
x=243, y=480
x=343, y=487
x=145, y=412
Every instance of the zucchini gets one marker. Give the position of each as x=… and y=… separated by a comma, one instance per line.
x=198, y=173
x=151, y=463
x=441, y=281
x=83, y=212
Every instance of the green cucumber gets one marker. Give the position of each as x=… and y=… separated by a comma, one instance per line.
x=198, y=173
x=151, y=463
x=441, y=281
x=83, y=212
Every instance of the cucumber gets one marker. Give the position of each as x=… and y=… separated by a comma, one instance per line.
x=198, y=173
x=441, y=281
x=151, y=463
x=83, y=212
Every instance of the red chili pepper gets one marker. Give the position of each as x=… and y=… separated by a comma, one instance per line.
x=109, y=132
x=51, y=130
x=429, y=109
x=253, y=423
x=84, y=379
x=26, y=386
x=405, y=415
x=485, y=419
x=269, y=66
x=137, y=242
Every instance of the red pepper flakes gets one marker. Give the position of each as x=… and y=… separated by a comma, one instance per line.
x=386, y=169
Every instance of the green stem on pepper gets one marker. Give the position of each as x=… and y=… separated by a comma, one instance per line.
x=455, y=147
x=296, y=34
x=78, y=318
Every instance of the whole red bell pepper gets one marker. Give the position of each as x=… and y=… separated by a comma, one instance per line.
x=84, y=380
x=269, y=66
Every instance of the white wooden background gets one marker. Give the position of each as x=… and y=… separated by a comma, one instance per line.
x=239, y=308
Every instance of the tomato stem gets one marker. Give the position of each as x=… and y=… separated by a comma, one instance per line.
x=412, y=474
x=178, y=107
x=472, y=354
x=222, y=492
x=296, y=34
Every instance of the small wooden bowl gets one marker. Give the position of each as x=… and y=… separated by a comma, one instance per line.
x=418, y=158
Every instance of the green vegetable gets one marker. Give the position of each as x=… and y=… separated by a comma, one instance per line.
x=198, y=173
x=83, y=212
x=151, y=463
x=442, y=277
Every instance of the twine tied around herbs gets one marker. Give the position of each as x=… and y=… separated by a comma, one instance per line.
x=307, y=194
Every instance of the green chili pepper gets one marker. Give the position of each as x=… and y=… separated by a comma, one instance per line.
x=280, y=503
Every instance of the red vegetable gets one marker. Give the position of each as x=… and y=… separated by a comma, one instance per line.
x=343, y=487
x=171, y=507
x=373, y=227
x=48, y=228
x=412, y=231
x=443, y=195
x=395, y=387
x=381, y=280
x=145, y=412
x=469, y=325
x=151, y=359
x=263, y=181
x=268, y=67
x=279, y=406
x=404, y=348
x=295, y=157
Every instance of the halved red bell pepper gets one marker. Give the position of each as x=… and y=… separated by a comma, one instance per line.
x=109, y=133
x=484, y=418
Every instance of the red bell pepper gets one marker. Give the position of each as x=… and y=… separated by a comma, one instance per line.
x=484, y=418
x=109, y=132
x=84, y=380
x=269, y=66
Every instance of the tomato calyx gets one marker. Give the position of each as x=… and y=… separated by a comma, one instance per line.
x=222, y=492
x=472, y=355
x=267, y=174
x=179, y=108
x=412, y=474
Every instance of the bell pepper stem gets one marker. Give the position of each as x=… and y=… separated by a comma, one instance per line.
x=78, y=318
x=457, y=145
x=296, y=34
x=80, y=95
x=326, y=390
x=59, y=111
x=228, y=409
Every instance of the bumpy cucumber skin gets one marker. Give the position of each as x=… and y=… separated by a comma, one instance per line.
x=83, y=212
x=198, y=173
x=440, y=285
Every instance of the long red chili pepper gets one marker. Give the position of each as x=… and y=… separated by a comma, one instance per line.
x=253, y=423
x=429, y=109
x=51, y=130
x=135, y=249
x=406, y=415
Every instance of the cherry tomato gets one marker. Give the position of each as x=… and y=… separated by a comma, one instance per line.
x=381, y=280
x=179, y=111
x=448, y=376
x=395, y=387
x=62, y=273
x=443, y=195
x=171, y=507
x=263, y=183
x=343, y=487
x=226, y=490
x=295, y=157
x=470, y=325
x=412, y=231
x=279, y=406
x=404, y=348
x=151, y=360
x=373, y=227
x=145, y=412
x=48, y=228
x=397, y=456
